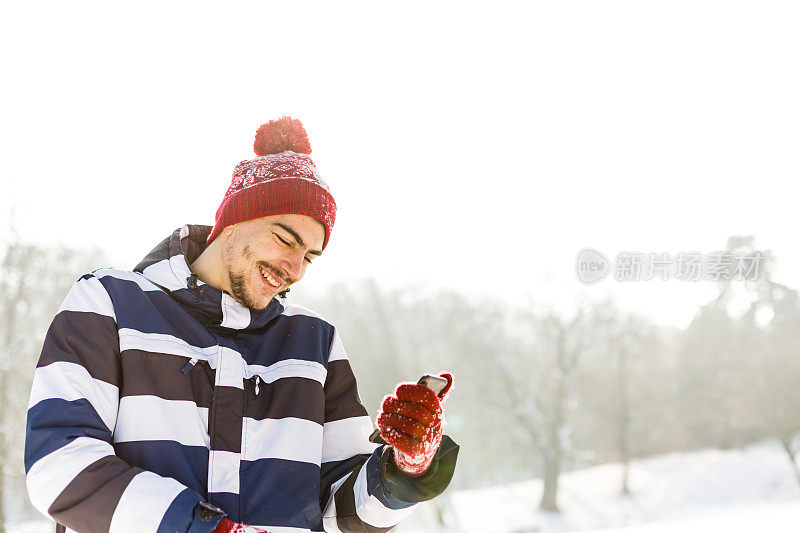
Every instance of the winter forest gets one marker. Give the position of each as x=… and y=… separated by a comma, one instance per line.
x=538, y=394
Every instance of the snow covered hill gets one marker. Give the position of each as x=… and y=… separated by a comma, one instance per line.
x=739, y=490
x=750, y=489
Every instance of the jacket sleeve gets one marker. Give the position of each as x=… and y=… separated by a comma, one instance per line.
x=361, y=489
x=72, y=473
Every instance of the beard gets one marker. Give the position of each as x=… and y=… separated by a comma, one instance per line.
x=240, y=288
x=241, y=292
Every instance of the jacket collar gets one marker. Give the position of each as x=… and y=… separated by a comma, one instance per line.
x=167, y=265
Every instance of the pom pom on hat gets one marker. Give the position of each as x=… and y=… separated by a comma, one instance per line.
x=280, y=135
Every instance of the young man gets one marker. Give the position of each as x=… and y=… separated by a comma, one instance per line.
x=190, y=395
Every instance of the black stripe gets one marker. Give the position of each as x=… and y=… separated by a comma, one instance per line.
x=346, y=518
x=160, y=375
x=159, y=253
x=341, y=393
x=288, y=397
x=88, y=502
x=226, y=419
x=88, y=339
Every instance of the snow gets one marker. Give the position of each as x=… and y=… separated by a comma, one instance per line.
x=737, y=490
x=706, y=490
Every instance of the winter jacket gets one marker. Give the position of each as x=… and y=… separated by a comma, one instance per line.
x=160, y=404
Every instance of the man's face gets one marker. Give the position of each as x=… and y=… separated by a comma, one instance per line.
x=266, y=255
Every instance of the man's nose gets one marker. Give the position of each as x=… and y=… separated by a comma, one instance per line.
x=294, y=265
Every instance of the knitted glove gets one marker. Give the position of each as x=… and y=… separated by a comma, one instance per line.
x=226, y=526
x=411, y=421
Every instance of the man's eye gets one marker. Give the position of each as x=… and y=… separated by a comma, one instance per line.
x=284, y=241
x=307, y=260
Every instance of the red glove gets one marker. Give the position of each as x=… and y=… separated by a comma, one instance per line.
x=411, y=421
x=226, y=526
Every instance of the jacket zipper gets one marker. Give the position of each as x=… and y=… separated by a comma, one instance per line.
x=189, y=366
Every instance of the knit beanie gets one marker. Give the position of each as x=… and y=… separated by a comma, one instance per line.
x=281, y=180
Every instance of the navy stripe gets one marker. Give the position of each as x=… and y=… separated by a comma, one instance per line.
x=281, y=493
x=154, y=312
x=180, y=514
x=187, y=464
x=54, y=423
x=288, y=337
x=229, y=503
x=374, y=485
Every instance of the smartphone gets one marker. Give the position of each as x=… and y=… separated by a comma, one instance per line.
x=435, y=383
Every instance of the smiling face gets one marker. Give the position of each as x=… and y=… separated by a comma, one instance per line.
x=263, y=257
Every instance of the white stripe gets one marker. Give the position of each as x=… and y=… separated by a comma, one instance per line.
x=143, y=283
x=170, y=273
x=281, y=529
x=371, y=510
x=329, y=522
x=234, y=314
x=288, y=368
x=293, y=439
x=131, y=339
x=318, y=181
x=143, y=418
x=292, y=309
x=329, y=515
x=144, y=503
x=70, y=382
x=345, y=438
x=51, y=474
x=337, y=348
x=230, y=369
x=180, y=269
x=223, y=471
x=89, y=296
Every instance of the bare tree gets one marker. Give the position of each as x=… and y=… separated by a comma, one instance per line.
x=769, y=337
x=539, y=386
x=33, y=282
x=751, y=329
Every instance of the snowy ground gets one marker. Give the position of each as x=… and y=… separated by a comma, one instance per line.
x=753, y=489
x=707, y=491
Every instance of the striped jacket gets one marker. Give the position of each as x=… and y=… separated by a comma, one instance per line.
x=157, y=396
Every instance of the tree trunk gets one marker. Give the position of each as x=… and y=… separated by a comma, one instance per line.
x=624, y=419
x=786, y=441
x=552, y=469
x=554, y=455
x=3, y=448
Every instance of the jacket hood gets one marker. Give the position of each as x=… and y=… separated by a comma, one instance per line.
x=167, y=265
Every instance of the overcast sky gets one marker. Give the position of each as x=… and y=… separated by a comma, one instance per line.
x=471, y=146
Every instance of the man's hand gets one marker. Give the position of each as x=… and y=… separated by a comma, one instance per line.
x=226, y=526
x=411, y=421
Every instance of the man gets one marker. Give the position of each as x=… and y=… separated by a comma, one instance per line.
x=190, y=395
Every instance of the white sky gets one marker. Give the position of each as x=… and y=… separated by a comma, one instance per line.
x=471, y=146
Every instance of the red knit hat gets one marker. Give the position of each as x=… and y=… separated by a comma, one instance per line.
x=282, y=180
